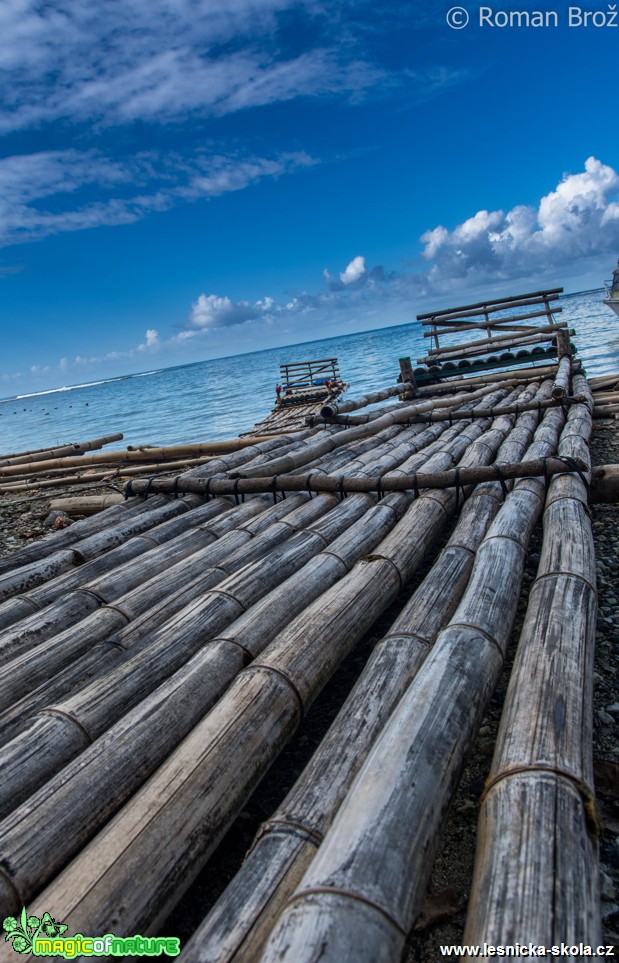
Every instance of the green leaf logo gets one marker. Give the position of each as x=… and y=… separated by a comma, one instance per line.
x=23, y=932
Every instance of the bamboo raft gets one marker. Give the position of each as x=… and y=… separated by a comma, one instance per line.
x=156, y=657
x=303, y=390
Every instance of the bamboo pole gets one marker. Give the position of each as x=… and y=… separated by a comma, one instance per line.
x=117, y=763
x=226, y=546
x=512, y=323
x=40, y=454
x=64, y=478
x=531, y=335
x=444, y=479
x=604, y=381
x=13, y=610
x=61, y=604
x=352, y=896
x=481, y=412
x=448, y=384
x=353, y=404
x=83, y=506
x=82, y=529
x=240, y=922
x=562, y=381
x=605, y=411
x=133, y=596
x=28, y=576
x=491, y=307
x=605, y=483
x=224, y=744
x=140, y=455
x=540, y=791
x=122, y=682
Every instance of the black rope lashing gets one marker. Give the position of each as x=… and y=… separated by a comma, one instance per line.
x=415, y=486
x=569, y=461
x=207, y=489
x=274, y=489
x=379, y=489
x=175, y=488
x=129, y=489
x=237, y=500
x=308, y=485
x=501, y=479
x=457, y=477
x=342, y=493
x=149, y=485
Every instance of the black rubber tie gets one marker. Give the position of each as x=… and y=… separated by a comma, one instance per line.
x=129, y=489
x=235, y=489
x=379, y=489
x=149, y=484
x=458, y=488
x=175, y=488
x=415, y=487
x=501, y=478
x=308, y=485
x=341, y=488
x=274, y=489
x=569, y=461
x=207, y=489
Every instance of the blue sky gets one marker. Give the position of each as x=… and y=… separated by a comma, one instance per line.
x=186, y=179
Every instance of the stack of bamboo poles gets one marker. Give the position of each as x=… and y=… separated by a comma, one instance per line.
x=156, y=658
x=69, y=465
x=605, y=391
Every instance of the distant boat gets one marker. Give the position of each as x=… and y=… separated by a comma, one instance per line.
x=612, y=291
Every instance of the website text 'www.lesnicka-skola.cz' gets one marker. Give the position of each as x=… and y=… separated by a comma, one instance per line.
x=528, y=950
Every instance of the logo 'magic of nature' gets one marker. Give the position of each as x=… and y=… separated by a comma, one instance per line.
x=45, y=937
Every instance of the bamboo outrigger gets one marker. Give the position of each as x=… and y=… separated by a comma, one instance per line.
x=156, y=657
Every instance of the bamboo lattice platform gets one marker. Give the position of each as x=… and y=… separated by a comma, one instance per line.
x=156, y=657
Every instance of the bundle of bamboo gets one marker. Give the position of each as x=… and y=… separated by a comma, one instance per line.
x=157, y=656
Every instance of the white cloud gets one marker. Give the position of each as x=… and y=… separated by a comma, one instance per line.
x=157, y=60
x=354, y=271
x=123, y=190
x=576, y=221
x=579, y=220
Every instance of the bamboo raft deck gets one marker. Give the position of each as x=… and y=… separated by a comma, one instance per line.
x=156, y=658
x=306, y=386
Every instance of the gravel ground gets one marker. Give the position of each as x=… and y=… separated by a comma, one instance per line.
x=442, y=921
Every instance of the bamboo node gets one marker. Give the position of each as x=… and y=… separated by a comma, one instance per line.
x=291, y=827
x=348, y=894
x=592, y=818
x=283, y=675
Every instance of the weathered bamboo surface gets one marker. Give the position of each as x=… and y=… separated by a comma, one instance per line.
x=159, y=655
x=352, y=895
x=540, y=789
x=83, y=505
x=312, y=669
x=240, y=922
x=41, y=454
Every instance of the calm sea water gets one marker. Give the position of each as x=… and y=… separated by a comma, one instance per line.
x=221, y=398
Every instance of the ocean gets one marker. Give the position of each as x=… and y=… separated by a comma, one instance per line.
x=217, y=399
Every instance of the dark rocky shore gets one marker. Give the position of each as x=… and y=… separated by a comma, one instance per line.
x=22, y=518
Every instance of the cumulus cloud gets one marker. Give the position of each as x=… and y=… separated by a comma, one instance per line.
x=123, y=190
x=577, y=220
x=354, y=271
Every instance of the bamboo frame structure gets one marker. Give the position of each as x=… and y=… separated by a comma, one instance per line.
x=157, y=656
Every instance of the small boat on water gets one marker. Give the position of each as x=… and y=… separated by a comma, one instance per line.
x=612, y=291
